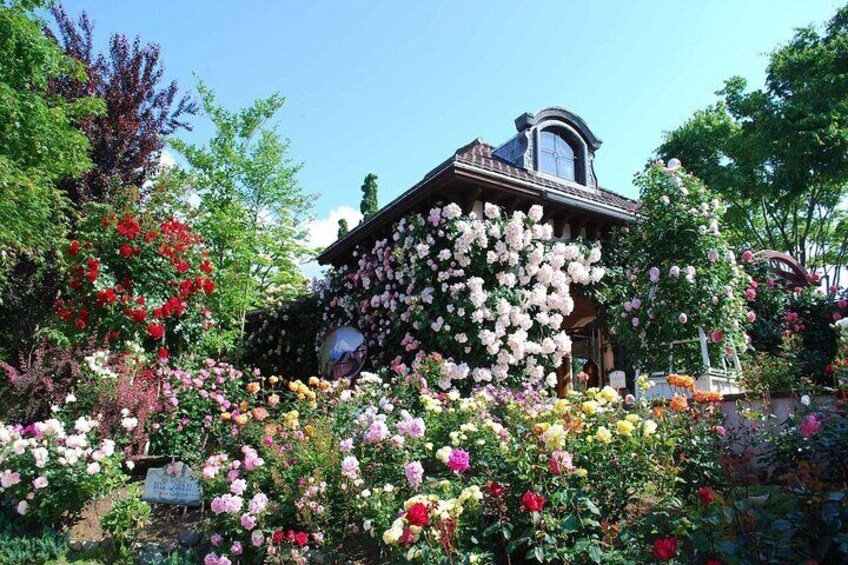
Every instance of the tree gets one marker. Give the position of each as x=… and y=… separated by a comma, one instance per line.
x=38, y=141
x=674, y=274
x=252, y=213
x=128, y=139
x=368, y=206
x=343, y=228
x=779, y=155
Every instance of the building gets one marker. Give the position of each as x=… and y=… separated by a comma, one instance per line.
x=549, y=161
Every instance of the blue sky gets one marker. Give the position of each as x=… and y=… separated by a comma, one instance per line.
x=394, y=87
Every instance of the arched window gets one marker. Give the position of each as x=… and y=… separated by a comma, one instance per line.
x=558, y=156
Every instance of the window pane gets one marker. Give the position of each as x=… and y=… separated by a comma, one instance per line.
x=547, y=163
x=548, y=141
x=563, y=148
x=565, y=169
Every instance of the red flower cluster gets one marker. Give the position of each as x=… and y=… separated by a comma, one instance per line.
x=705, y=495
x=300, y=538
x=119, y=266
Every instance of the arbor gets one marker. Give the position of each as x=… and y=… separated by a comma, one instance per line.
x=369, y=205
x=38, y=141
x=675, y=274
x=252, y=212
x=128, y=138
x=779, y=155
x=343, y=228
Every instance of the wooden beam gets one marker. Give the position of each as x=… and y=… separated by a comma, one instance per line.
x=469, y=198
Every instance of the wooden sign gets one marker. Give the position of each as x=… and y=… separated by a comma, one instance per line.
x=172, y=484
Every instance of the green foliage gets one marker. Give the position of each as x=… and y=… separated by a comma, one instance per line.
x=39, y=144
x=124, y=521
x=676, y=275
x=20, y=546
x=779, y=155
x=252, y=213
x=369, y=205
x=767, y=372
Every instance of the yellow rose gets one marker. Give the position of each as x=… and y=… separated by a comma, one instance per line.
x=590, y=407
x=273, y=380
x=253, y=388
x=633, y=418
x=625, y=428
x=241, y=419
x=649, y=427
x=313, y=381
x=560, y=406
x=603, y=435
x=554, y=437
x=609, y=394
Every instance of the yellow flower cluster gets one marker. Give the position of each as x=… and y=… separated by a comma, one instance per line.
x=301, y=391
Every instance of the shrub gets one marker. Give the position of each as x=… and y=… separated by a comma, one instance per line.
x=48, y=473
x=138, y=278
x=197, y=410
x=126, y=518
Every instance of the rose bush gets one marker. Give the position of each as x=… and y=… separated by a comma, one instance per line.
x=48, y=471
x=136, y=277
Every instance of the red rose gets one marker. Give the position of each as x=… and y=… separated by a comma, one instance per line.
x=206, y=266
x=712, y=561
x=705, y=495
x=126, y=251
x=532, y=502
x=163, y=353
x=137, y=315
x=156, y=331
x=301, y=538
x=208, y=286
x=278, y=537
x=74, y=248
x=665, y=548
x=417, y=515
x=496, y=490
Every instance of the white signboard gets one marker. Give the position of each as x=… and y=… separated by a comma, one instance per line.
x=172, y=484
x=618, y=380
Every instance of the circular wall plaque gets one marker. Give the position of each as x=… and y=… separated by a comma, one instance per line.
x=342, y=354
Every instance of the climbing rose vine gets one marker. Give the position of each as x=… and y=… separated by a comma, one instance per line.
x=492, y=291
x=678, y=275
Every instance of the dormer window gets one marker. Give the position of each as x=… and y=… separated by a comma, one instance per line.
x=557, y=155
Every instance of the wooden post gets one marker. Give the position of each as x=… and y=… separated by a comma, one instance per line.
x=564, y=380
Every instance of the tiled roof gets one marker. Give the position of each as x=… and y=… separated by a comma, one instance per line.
x=479, y=154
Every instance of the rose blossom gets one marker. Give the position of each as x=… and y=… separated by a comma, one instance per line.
x=459, y=461
x=414, y=473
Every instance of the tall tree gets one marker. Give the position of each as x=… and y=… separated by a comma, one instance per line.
x=128, y=139
x=343, y=228
x=252, y=212
x=779, y=155
x=369, y=204
x=38, y=141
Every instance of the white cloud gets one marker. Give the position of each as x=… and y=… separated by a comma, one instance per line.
x=324, y=231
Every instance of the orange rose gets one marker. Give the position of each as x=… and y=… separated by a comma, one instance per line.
x=679, y=404
x=705, y=397
x=681, y=381
x=253, y=388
